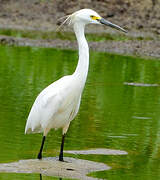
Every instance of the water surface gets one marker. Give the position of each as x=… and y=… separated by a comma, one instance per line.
x=115, y=112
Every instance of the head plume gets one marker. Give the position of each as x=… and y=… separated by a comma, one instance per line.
x=68, y=20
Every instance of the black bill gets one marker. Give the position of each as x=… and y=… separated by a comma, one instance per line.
x=105, y=22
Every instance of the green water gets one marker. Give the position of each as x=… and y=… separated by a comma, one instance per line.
x=112, y=114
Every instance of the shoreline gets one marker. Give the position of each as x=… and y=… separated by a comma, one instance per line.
x=145, y=49
x=34, y=23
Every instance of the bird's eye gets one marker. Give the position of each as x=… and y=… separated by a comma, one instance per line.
x=92, y=17
x=95, y=17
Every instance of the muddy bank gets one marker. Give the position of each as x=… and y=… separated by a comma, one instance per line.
x=98, y=152
x=70, y=168
x=140, y=18
x=149, y=49
x=131, y=14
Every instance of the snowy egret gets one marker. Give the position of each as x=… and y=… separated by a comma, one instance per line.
x=58, y=104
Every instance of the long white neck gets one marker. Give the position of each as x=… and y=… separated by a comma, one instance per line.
x=83, y=62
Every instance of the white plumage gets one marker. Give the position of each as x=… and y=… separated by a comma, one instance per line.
x=57, y=105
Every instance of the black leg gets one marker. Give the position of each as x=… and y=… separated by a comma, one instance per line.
x=41, y=149
x=61, y=151
x=40, y=176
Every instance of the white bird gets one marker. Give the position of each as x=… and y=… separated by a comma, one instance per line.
x=58, y=104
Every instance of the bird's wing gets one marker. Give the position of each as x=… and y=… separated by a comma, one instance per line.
x=45, y=106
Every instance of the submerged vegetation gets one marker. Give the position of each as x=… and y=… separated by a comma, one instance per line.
x=115, y=113
x=121, y=100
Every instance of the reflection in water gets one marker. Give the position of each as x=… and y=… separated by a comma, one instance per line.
x=110, y=108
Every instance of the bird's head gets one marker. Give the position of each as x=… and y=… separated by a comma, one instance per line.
x=88, y=16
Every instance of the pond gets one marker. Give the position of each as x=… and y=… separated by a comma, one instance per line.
x=120, y=109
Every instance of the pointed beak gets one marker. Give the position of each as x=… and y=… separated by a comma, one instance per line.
x=105, y=22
